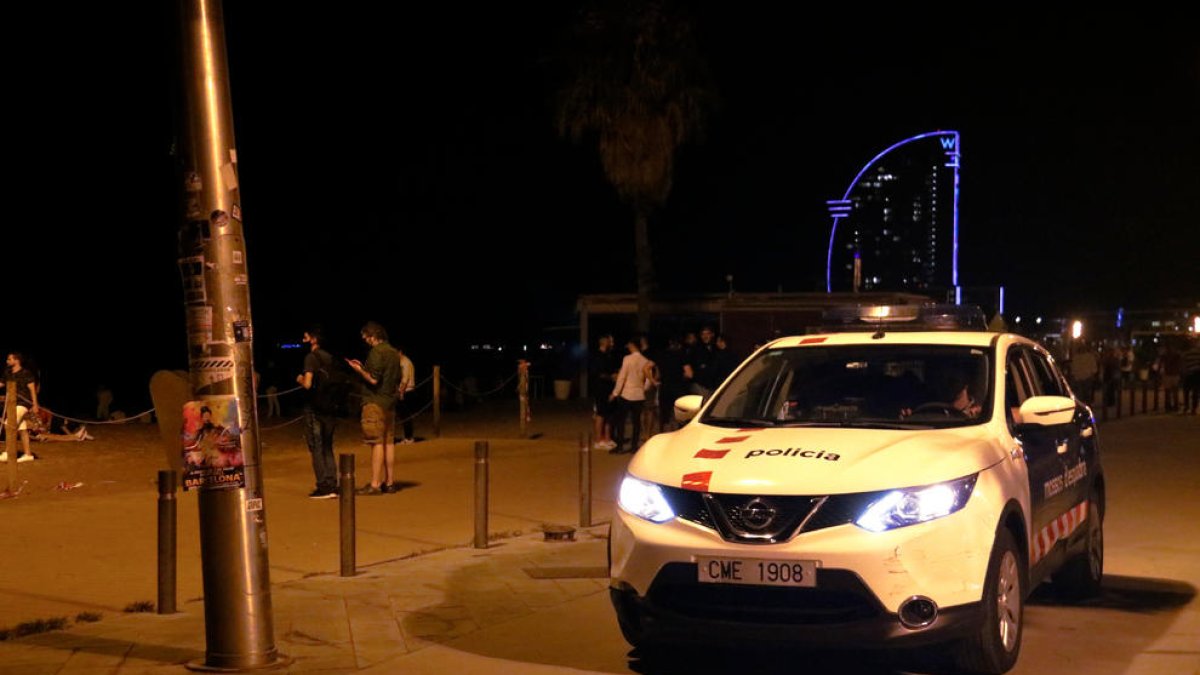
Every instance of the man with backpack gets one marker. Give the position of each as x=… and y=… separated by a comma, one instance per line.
x=320, y=414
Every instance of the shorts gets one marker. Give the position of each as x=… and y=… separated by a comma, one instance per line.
x=602, y=407
x=378, y=425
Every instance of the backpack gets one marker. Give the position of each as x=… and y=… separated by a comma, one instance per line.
x=333, y=387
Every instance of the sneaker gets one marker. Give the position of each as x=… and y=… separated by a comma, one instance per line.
x=407, y=441
x=26, y=458
x=323, y=494
x=388, y=488
x=369, y=490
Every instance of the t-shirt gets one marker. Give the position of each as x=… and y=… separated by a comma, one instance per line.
x=318, y=362
x=383, y=363
x=603, y=363
x=23, y=378
x=407, y=375
x=631, y=380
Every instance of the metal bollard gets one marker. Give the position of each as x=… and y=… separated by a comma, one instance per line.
x=1120, y=397
x=1156, y=386
x=585, y=480
x=481, y=494
x=167, y=482
x=346, y=512
x=1144, y=385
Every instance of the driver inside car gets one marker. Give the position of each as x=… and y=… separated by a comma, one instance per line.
x=961, y=401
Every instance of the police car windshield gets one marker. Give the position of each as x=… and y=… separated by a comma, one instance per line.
x=895, y=386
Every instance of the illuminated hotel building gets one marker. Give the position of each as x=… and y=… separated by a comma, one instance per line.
x=896, y=227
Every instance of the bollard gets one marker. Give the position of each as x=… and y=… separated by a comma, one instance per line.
x=523, y=395
x=1156, y=397
x=481, y=494
x=346, y=512
x=585, y=480
x=437, y=401
x=1144, y=384
x=1120, y=396
x=167, y=481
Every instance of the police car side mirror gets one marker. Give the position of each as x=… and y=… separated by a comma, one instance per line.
x=1047, y=411
x=686, y=407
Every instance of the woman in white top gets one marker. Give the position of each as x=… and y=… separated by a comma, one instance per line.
x=629, y=393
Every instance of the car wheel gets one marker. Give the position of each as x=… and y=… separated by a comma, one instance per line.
x=994, y=648
x=1080, y=577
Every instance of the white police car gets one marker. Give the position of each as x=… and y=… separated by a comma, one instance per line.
x=901, y=486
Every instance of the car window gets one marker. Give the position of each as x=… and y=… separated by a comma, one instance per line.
x=933, y=385
x=1018, y=384
x=1046, y=379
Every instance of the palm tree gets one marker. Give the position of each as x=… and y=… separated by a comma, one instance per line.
x=639, y=88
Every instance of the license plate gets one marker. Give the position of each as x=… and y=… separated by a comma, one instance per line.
x=752, y=571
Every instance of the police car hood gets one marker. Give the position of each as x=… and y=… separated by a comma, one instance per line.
x=812, y=460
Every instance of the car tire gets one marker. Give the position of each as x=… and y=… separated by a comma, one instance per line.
x=994, y=648
x=1080, y=577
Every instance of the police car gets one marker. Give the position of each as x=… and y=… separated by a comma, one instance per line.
x=901, y=481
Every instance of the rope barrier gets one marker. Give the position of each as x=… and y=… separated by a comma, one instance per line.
x=416, y=414
x=483, y=395
x=280, y=426
x=281, y=393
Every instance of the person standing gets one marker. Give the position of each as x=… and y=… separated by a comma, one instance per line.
x=405, y=391
x=27, y=390
x=381, y=373
x=1084, y=368
x=629, y=394
x=319, y=414
x=104, y=399
x=602, y=370
x=702, y=363
x=1171, y=370
x=1190, y=371
x=672, y=385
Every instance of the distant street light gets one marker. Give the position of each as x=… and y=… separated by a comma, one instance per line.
x=1076, y=329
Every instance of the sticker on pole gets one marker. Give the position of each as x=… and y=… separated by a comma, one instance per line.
x=211, y=443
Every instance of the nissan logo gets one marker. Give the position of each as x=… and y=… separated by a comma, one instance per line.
x=757, y=515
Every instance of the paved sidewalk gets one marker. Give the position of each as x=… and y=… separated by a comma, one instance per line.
x=522, y=605
x=381, y=619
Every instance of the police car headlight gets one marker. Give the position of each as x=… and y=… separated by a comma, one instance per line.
x=901, y=508
x=645, y=500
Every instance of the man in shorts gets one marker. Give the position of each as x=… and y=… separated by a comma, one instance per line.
x=381, y=374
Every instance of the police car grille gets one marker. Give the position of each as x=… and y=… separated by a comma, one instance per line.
x=840, y=510
x=839, y=597
x=689, y=505
x=792, y=510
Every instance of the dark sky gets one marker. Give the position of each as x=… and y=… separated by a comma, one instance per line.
x=401, y=164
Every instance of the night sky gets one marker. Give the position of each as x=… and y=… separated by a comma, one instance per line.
x=401, y=165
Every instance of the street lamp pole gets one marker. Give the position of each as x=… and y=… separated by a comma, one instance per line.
x=212, y=259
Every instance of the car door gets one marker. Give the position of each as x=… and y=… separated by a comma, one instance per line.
x=1040, y=449
x=1074, y=440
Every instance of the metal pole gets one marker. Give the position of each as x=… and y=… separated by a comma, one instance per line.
x=346, y=512
x=437, y=401
x=1120, y=396
x=1156, y=387
x=238, y=620
x=1144, y=385
x=481, y=494
x=585, y=480
x=167, y=482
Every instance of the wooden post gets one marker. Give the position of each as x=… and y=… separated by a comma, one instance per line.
x=523, y=395
x=10, y=432
x=481, y=494
x=437, y=401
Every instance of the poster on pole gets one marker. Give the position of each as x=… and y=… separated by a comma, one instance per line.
x=211, y=442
